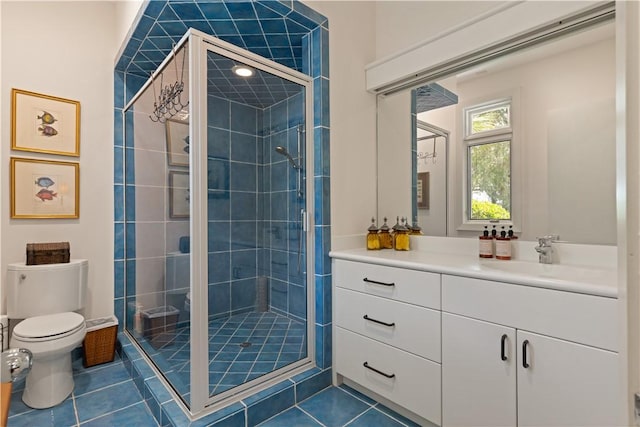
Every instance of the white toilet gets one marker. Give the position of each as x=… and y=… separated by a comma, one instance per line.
x=46, y=297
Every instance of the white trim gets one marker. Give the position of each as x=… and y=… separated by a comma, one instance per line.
x=511, y=22
x=198, y=226
x=514, y=135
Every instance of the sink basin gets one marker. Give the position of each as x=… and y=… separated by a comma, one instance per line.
x=552, y=271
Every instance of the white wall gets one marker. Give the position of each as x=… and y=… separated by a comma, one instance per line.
x=65, y=49
x=400, y=24
x=353, y=115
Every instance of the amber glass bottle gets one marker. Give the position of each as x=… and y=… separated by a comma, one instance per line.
x=402, y=238
x=373, y=240
x=415, y=229
x=386, y=241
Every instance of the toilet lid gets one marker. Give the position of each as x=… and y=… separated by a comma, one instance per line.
x=47, y=326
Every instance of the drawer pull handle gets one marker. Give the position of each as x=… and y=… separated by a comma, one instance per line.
x=378, y=283
x=525, y=345
x=503, y=351
x=380, y=322
x=366, y=365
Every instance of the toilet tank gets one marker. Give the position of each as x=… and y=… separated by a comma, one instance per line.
x=37, y=290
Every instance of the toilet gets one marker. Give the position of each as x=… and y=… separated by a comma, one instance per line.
x=47, y=298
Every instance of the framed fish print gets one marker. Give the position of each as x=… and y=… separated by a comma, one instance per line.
x=178, y=194
x=177, y=142
x=44, y=123
x=44, y=188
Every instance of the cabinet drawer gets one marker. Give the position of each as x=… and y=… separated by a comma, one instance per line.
x=408, y=327
x=415, y=287
x=416, y=381
x=585, y=319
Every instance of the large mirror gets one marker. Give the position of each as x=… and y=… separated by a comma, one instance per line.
x=526, y=140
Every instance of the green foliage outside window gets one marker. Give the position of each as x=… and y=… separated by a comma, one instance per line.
x=491, y=177
x=488, y=210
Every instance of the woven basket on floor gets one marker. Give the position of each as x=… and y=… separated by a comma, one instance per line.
x=99, y=346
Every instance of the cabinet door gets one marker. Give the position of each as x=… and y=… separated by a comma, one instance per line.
x=478, y=373
x=561, y=383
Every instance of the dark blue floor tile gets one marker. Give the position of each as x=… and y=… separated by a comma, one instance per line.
x=373, y=417
x=334, y=407
x=292, y=417
x=106, y=400
x=99, y=378
x=137, y=415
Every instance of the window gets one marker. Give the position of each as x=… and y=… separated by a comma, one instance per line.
x=488, y=138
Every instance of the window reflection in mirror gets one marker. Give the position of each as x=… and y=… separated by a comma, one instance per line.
x=561, y=154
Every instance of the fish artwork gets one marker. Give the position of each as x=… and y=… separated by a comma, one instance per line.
x=47, y=130
x=45, y=194
x=47, y=118
x=44, y=182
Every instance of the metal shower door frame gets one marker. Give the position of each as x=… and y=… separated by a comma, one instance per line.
x=199, y=45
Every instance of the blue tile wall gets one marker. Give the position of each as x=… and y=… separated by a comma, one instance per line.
x=291, y=33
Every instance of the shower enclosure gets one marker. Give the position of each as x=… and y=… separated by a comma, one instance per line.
x=218, y=249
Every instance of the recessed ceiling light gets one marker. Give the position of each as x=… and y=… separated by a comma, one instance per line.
x=242, y=70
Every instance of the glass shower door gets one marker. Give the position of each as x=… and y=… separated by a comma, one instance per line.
x=257, y=276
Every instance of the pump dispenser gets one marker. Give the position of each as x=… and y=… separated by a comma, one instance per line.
x=494, y=232
x=386, y=240
x=503, y=246
x=373, y=240
x=510, y=233
x=486, y=244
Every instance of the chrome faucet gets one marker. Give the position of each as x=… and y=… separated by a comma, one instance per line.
x=544, y=248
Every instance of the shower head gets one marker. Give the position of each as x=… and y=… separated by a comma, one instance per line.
x=284, y=152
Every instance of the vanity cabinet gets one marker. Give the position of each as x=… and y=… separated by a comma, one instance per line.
x=466, y=351
x=387, y=333
x=500, y=374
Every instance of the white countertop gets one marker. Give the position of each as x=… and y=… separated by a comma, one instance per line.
x=585, y=280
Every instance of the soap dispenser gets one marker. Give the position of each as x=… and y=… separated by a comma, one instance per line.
x=373, y=240
x=402, y=237
x=503, y=246
x=486, y=244
x=415, y=229
x=394, y=232
x=386, y=240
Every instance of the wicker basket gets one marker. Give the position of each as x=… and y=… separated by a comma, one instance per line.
x=99, y=344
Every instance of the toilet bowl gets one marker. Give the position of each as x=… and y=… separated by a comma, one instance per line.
x=50, y=339
x=47, y=298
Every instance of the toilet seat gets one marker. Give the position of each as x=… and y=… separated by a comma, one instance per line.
x=49, y=327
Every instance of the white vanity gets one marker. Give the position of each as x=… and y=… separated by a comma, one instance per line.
x=460, y=341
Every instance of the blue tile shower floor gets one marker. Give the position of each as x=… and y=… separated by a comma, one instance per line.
x=241, y=347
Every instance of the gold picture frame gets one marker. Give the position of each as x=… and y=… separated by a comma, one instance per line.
x=44, y=188
x=44, y=124
x=177, y=142
x=178, y=194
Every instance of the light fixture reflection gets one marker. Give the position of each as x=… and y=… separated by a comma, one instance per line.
x=242, y=71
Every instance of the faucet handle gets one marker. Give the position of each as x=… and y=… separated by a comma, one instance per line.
x=547, y=240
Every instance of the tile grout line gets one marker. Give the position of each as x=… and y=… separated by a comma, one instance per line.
x=312, y=417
